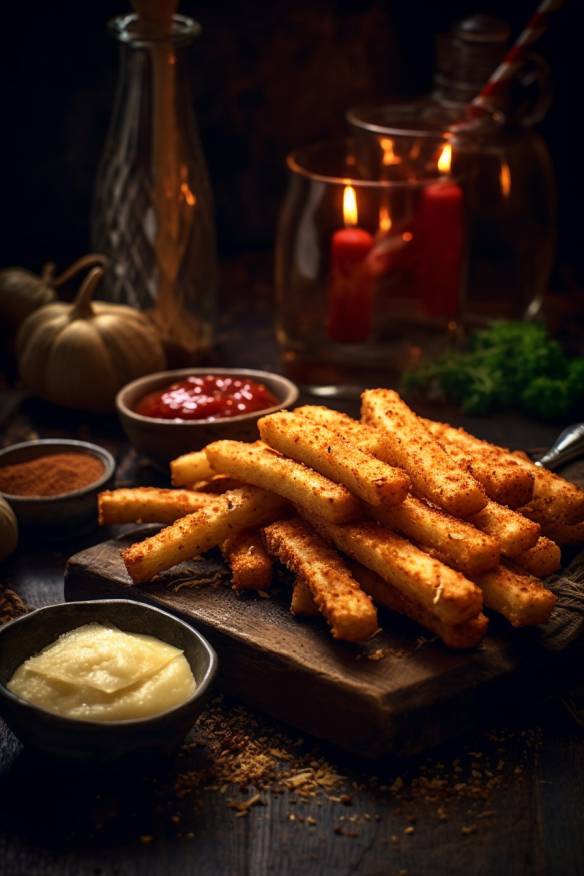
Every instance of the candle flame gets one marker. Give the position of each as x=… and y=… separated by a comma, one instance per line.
x=350, y=214
x=385, y=222
x=389, y=156
x=445, y=158
x=188, y=195
x=505, y=179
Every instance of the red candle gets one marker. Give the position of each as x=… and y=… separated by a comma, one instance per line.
x=352, y=286
x=440, y=239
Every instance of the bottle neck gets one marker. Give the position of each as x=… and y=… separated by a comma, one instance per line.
x=132, y=31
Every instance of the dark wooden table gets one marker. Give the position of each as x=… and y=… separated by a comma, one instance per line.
x=509, y=799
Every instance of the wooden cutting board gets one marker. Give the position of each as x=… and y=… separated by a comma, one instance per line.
x=415, y=696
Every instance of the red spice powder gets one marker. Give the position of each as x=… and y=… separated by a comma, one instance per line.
x=50, y=475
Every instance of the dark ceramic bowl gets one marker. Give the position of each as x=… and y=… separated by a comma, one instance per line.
x=92, y=742
x=163, y=440
x=69, y=511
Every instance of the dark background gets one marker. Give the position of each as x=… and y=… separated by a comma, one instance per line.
x=266, y=77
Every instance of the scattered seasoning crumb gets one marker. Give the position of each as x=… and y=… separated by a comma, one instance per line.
x=467, y=829
x=409, y=829
x=378, y=654
x=243, y=807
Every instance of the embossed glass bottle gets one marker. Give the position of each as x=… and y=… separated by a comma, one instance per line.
x=153, y=211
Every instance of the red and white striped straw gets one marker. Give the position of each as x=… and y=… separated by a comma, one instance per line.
x=497, y=85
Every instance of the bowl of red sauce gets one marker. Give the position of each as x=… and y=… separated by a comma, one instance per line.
x=173, y=412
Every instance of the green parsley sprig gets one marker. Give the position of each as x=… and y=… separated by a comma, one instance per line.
x=508, y=365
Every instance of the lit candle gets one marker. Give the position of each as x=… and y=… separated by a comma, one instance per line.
x=440, y=237
x=351, y=288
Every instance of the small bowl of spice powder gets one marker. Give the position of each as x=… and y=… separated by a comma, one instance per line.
x=53, y=484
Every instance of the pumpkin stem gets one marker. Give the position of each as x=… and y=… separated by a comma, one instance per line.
x=81, y=308
x=85, y=261
x=48, y=273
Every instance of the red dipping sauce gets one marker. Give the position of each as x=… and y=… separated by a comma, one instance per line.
x=208, y=397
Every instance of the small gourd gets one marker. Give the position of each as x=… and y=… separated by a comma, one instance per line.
x=8, y=530
x=79, y=355
x=22, y=292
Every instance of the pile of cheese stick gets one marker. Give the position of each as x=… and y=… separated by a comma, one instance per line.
x=392, y=510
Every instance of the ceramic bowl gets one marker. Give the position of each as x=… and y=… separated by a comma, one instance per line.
x=69, y=511
x=163, y=440
x=91, y=742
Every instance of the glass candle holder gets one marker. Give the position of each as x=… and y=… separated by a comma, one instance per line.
x=369, y=267
x=509, y=191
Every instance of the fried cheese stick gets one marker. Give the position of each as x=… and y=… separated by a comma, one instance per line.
x=348, y=610
x=543, y=559
x=217, y=484
x=518, y=596
x=251, y=565
x=302, y=603
x=554, y=498
x=186, y=470
x=456, y=636
x=415, y=450
x=443, y=591
x=199, y=532
x=264, y=467
x=336, y=458
x=456, y=542
x=564, y=534
x=147, y=505
x=514, y=533
x=503, y=480
x=367, y=439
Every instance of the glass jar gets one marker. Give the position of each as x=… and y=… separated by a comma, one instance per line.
x=368, y=269
x=503, y=164
x=153, y=211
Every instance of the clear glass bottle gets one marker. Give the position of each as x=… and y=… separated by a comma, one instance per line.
x=504, y=166
x=153, y=210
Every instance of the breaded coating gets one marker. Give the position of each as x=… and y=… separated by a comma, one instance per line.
x=147, y=505
x=518, y=596
x=456, y=542
x=302, y=603
x=260, y=465
x=196, y=533
x=555, y=502
x=186, y=470
x=218, y=484
x=251, y=565
x=332, y=455
x=349, y=611
x=514, y=533
x=456, y=636
x=414, y=449
x=503, y=479
x=367, y=439
x=564, y=534
x=543, y=559
x=441, y=590
x=553, y=498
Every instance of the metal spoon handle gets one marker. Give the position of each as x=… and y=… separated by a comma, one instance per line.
x=570, y=443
